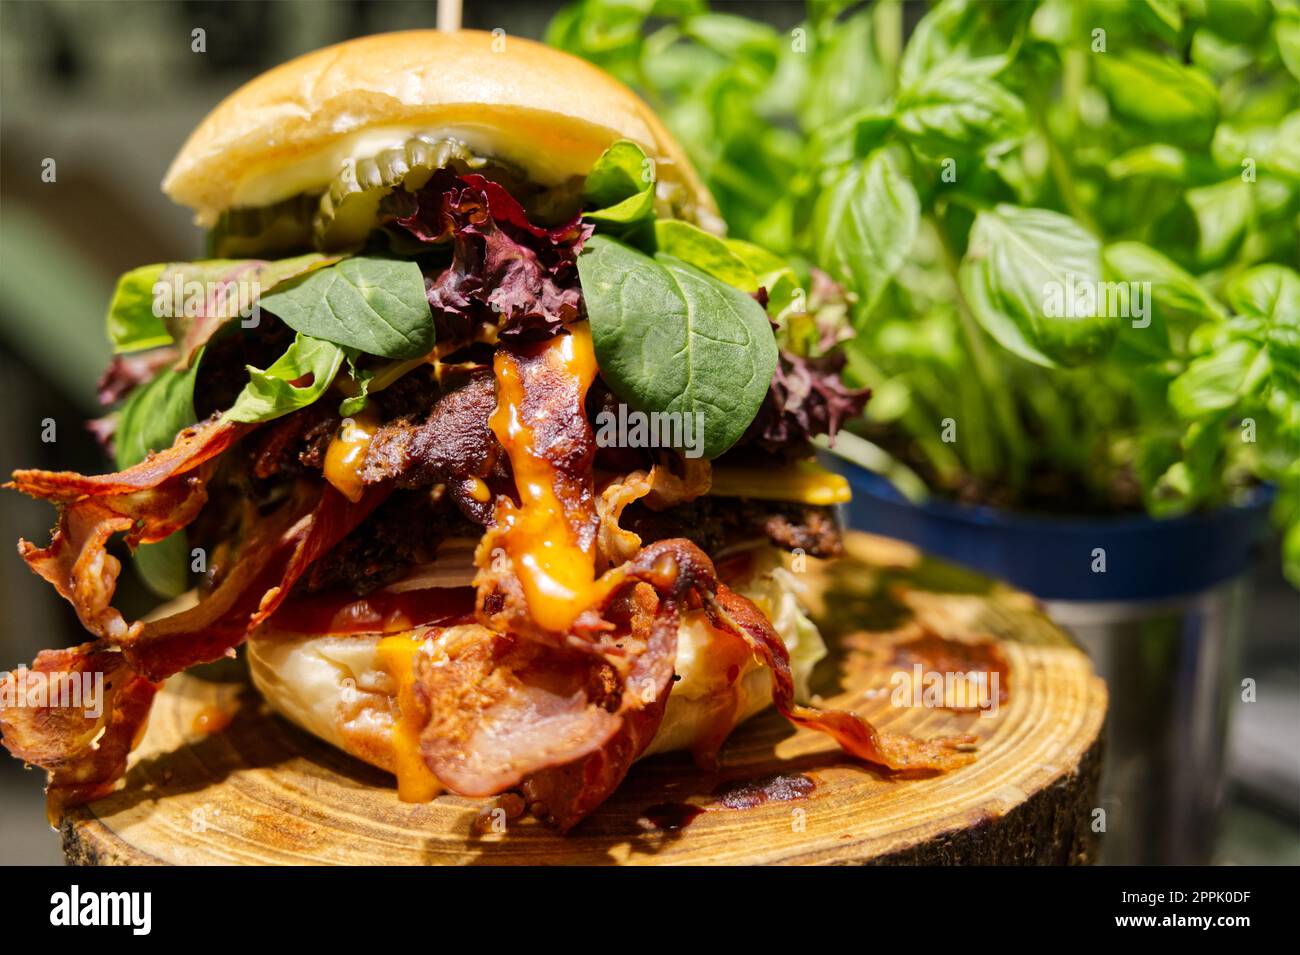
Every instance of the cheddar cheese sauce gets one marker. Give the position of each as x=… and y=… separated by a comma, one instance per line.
x=415, y=781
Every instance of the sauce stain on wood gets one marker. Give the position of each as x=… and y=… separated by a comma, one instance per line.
x=672, y=816
x=955, y=658
x=778, y=787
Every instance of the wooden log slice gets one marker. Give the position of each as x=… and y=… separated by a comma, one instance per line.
x=219, y=779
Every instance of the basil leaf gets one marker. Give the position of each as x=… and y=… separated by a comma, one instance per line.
x=960, y=110
x=670, y=337
x=294, y=380
x=955, y=32
x=132, y=323
x=621, y=185
x=1222, y=215
x=846, y=73
x=374, y=305
x=1175, y=296
x=1179, y=101
x=1214, y=382
x=1270, y=294
x=865, y=224
x=1021, y=271
x=704, y=251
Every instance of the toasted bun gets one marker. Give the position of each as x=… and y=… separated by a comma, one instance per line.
x=335, y=688
x=291, y=130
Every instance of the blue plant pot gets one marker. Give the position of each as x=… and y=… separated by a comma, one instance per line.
x=1163, y=625
x=1054, y=557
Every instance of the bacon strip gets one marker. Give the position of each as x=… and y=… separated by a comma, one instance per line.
x=193, y=447
x=738, y=615
x=146, y=502
x=565, y=794
x=84, y=756
x=281, y=548
x=84, y=746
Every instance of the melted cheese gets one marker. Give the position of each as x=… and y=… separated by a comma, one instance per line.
x=347, y=453
x=415, y=781
x=557, y=572
x=803, y=482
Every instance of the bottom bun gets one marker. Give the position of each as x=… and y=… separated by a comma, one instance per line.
x=336, y=688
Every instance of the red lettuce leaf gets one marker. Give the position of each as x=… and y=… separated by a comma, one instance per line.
x=808, y=397
x=504, y=270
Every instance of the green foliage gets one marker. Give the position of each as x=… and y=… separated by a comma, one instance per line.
x=1148, y=151
x=672, y=337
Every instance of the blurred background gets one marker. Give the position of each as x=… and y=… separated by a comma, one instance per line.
x=109, y=90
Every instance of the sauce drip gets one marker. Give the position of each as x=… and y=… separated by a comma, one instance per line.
x=555, y=566
x=415, y=781
x=347, y=453
x=211, y=719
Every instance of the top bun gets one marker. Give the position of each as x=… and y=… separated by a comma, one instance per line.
x=291, y=129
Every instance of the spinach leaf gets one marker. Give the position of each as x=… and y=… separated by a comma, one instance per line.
x=164, y=565
x=294, y=380
x=670, y=337
x=865, y=225
x=620, y=186
x=149, y=420
x=374, y=305
x=1021, y=273
x=704, y=251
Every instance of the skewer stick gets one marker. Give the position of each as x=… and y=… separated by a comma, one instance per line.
x=449, y=15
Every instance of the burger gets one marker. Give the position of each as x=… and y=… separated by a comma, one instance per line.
x=475, y=430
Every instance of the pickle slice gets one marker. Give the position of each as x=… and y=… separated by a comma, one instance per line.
x=349, y=209
x=275, y=230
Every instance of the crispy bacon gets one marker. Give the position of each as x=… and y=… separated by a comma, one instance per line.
x=194, y=446
x=737, y=615
x=281, y=548
x=565, y=794
x=503, y=708
x=85, y=754
x=81, y=734
x=146, y=502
